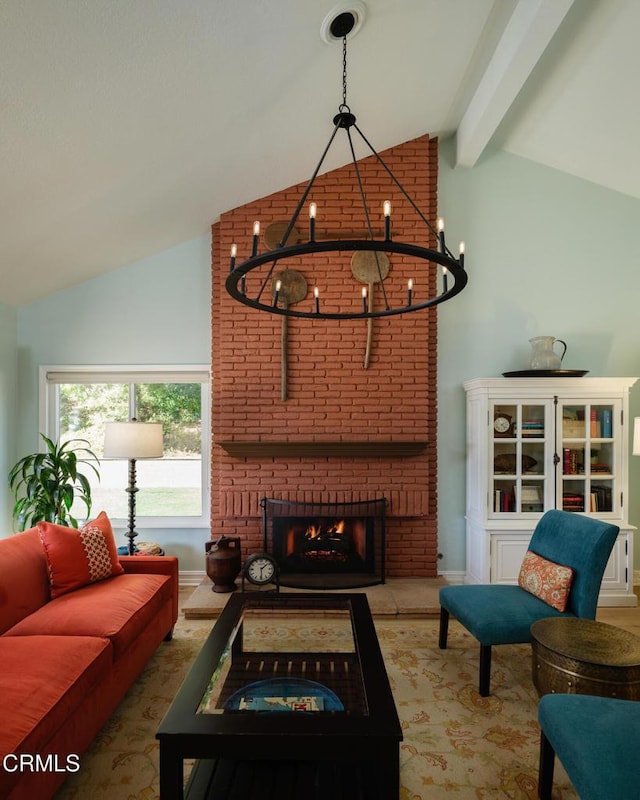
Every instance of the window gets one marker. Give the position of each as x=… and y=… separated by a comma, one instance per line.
x=173, y=491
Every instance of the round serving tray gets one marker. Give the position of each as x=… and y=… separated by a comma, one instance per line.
x=546, y=373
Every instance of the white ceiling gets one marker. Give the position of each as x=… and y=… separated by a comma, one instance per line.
x=129, y=126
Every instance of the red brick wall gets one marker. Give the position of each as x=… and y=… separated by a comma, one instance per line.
x=331, y=397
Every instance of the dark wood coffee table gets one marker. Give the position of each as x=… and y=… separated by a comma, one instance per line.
x=346, y=748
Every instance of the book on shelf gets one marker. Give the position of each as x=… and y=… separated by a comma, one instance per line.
x=600, y=498
x=573, y=429
x=572, y=502
x=503, y=500
x=595, y=425
x=572, y=461
x=533, y=431
x=532, y=425
x=607, y=427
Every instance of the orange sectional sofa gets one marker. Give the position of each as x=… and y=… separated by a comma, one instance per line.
x=67, y=662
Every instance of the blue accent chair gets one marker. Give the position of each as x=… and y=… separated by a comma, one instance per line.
x=596, y=739
x=503, y=614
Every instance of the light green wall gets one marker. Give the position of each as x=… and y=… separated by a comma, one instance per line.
x=546, y=254
x=8, y=400
x=156, y=311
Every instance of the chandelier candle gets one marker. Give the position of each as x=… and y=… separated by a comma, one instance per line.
x=441, y=244
x=316, y=297
x=256, y=235
x=312, y=222
x=409, y=291
x=364, y=298
x=277, y=292
x=386, y=208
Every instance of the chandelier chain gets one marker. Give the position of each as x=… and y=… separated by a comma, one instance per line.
x=344, y=72
x=420, y=295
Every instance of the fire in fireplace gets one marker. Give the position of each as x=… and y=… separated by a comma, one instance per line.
x=315, y=544
x=326, y=545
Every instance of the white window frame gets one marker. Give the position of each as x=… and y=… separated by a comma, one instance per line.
x=49, y=377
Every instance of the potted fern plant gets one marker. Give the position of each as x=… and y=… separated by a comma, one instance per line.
x=45, y=485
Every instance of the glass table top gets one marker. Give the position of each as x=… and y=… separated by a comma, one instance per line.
x=288, y=659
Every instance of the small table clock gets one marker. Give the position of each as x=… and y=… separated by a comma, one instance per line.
x=261, y=569
x=502, y=424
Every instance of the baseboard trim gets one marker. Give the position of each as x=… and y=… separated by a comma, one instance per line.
x=453, y=576
x=193, y=577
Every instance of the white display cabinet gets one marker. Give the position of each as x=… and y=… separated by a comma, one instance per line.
x=537, y=443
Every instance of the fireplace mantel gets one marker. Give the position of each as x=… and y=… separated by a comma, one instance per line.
x=335, y=449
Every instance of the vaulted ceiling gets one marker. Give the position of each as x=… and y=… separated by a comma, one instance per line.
x=129, y=126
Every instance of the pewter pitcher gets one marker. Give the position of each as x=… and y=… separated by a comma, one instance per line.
x=543, y=356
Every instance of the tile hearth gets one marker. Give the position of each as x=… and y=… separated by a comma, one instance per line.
x=407, y=597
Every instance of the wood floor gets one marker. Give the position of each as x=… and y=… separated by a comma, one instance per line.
x=627, y=618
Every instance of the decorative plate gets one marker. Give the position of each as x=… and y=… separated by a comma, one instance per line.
x=284, y=694
x=546, y=373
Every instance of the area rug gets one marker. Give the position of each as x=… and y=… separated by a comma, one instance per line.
x=455, y=742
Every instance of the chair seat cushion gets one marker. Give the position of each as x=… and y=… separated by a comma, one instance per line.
x=496, y=614
x=596, y=739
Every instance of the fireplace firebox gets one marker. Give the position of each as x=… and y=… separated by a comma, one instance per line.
x=326, y=545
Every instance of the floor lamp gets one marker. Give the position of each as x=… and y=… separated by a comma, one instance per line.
x=132, y=440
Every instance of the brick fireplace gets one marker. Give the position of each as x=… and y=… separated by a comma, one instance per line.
x=345, y=433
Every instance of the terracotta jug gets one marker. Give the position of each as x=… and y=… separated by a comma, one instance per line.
x=543, y=356
x=223, y=562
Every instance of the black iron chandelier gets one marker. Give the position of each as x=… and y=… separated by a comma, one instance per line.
x=277, y=291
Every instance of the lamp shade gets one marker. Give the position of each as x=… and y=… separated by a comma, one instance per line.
x=133, y=440
x=636, y=437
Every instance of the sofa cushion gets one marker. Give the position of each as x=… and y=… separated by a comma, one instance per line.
x=118, y=609
x=43, y=679
x=24, y=583
x=78, y=557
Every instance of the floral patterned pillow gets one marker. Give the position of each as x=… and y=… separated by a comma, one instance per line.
x=549, y=581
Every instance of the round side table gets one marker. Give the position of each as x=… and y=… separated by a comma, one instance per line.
x=582, y=656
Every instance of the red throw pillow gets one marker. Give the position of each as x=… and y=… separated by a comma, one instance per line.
x=545, y=579
x=79, y=557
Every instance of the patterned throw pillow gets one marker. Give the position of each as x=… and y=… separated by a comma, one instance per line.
x=79, y=557
x=549, y=581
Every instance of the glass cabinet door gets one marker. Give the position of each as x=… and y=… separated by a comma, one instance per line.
x=588, y=452
x=522, y=436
